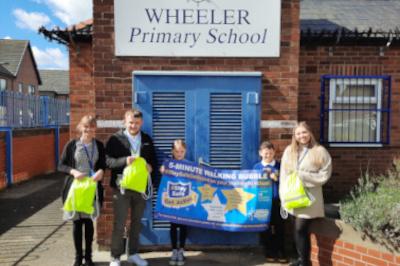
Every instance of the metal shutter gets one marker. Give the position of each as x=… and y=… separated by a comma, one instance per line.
x=226, y=130
x=168, y=124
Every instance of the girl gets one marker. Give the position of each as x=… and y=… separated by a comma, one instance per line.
x=313, y=165
x=178, y=153
x=82, y=157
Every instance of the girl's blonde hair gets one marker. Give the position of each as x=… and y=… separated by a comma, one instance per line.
x=177, y=143
x=89, y=120
x=294, y=147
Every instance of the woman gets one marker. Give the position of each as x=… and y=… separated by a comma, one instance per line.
x=313, y=164
x=83, y=157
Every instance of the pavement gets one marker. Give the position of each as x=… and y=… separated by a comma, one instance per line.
x=32, y=233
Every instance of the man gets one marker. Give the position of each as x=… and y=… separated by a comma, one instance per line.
x=121, y=149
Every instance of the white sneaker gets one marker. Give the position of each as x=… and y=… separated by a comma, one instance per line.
x=137, y=260
x=181, y=258
x=174, y=257
x=115, y=262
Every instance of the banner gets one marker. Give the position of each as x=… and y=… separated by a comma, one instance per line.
x=202, y=196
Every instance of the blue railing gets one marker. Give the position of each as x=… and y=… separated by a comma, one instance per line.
x=19, y=110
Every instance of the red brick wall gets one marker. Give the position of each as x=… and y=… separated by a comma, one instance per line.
x=335, y=243
x=33, y=153
x=316, y=61
x=64, y=138
x=82, y=95
x=113, y=80
x=328, y=251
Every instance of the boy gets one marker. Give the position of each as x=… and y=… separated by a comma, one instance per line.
x=274, y=235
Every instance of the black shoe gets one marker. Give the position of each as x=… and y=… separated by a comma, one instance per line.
x=299, y=262
x=294, y=263
x=281, y=257
x=270, y=256
x=77, y=261
x=89, y=262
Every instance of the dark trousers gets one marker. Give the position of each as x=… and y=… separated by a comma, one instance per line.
x=302, y=239
x=173, y=233
x=77, y=235
x=275, y=234
x=121, y=205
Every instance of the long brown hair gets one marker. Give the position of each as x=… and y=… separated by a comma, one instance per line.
x=294, y=147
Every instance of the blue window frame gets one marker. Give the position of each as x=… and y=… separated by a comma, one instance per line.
x=355, y=110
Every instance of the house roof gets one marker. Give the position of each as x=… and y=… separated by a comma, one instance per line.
x=354, y=18
x=322, y=19
x=12, y=53
x=55, y=81
x=4, y=71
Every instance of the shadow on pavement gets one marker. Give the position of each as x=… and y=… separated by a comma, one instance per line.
x=23, y=200
x=202, y=258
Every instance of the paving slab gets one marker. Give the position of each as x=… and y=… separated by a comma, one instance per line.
x=41, y=237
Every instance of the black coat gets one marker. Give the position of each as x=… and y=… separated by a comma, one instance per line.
x=67, y=162
x=118, y=148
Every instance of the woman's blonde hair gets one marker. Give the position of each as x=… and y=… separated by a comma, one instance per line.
x=294, y=147
x=89, y=120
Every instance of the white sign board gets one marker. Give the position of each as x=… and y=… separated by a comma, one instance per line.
x=197, y=28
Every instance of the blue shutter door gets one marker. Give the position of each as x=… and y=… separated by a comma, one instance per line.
x=218, y=116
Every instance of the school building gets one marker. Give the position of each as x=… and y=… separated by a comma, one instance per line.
x=225, y=75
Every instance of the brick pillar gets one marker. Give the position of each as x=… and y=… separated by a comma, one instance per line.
x=82, y=94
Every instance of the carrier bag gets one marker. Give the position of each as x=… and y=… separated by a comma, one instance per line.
x=135, y=176
x=81, y=196
x=294, y=193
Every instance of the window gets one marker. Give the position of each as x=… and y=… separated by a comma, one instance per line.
x=355, y=110
x=20, y=88
x=3, y=84
x=31, y=89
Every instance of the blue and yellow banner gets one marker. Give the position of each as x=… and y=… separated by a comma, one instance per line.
x=202, y=196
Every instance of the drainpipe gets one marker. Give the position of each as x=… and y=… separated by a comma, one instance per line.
x=9, y=163
x=57, y=144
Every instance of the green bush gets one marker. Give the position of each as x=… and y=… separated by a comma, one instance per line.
x=373, y=207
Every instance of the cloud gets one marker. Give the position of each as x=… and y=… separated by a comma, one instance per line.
x=7, y=38
x=50, y=58
x=71, y=11
x=31, y=21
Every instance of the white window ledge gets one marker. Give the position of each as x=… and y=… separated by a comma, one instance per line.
x=359, y=145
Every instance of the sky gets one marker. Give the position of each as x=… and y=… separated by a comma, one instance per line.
x=20, y=20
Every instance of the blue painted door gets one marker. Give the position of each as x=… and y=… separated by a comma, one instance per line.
x=218, y=116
